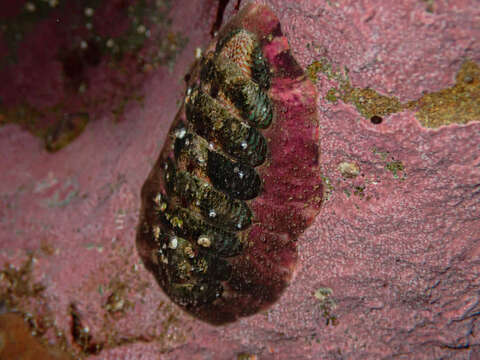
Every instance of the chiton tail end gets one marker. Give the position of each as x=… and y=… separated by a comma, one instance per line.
x=238, y=179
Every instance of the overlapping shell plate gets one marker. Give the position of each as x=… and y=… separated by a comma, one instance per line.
x=238, y=178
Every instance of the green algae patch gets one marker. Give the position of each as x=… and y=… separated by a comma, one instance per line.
x=370, y=103
x=329, y=188
x=65, y=130
x=326, y=304
x=459, y=104
x=332, y=95
x=313, y=69
x=56, y=128
x=391, y=164
x=367, y=101
x=26, y=116
x=429, y=6
x=395, y=167
x=321, y=66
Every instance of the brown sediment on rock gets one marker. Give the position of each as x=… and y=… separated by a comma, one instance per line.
x=17, y=341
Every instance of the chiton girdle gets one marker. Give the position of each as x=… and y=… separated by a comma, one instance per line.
x=238, y=178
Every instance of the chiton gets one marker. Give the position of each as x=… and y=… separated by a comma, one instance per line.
x=238, y=178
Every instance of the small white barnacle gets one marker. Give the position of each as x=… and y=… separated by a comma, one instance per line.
x=30, y=6
x=141, y=29
x=212, y=213
x=173, y=243
x=204, y=240
x=89, y=11
x=162, y=206
x=198, y=53
x=164, y=259
x=243, y=144
x=189, y=252
x=180, y=133
x=241, y=174
x=156, y=232
x=176, y=222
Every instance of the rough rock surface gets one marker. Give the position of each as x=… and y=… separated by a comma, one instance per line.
x=389, y=269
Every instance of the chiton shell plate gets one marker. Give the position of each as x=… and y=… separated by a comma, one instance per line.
x=238, y=178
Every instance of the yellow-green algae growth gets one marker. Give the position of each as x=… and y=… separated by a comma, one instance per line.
x=326, y=304
x=458, y=104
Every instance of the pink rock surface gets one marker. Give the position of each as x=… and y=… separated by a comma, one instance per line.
x=399, y=266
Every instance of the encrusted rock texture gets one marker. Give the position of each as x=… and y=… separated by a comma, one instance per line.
x=390, y=268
